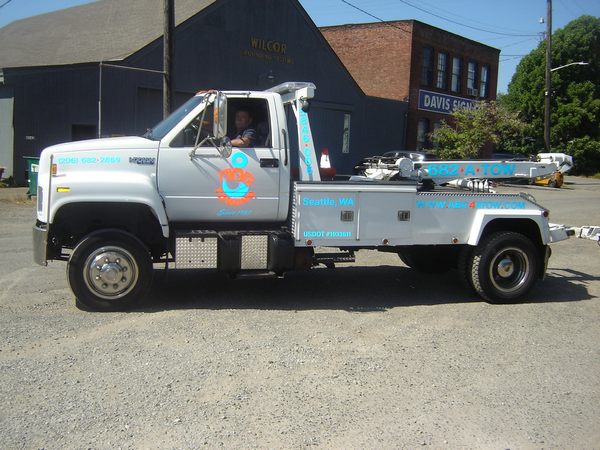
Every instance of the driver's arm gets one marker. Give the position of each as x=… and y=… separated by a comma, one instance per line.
x=247, y=139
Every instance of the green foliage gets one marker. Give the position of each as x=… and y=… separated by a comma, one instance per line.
x=586, y=155
x=575, y=100
x=474, y=128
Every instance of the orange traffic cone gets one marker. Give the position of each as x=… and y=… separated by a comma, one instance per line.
x=325, y=164
x=325, y=170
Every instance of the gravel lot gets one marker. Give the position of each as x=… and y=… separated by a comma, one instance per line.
x=359, y=357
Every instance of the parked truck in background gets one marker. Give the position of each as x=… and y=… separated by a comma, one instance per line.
x=182, y=196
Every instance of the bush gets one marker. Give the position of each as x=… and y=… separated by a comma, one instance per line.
x=586, y=155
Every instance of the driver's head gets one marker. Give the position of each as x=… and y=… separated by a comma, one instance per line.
x=242, y=119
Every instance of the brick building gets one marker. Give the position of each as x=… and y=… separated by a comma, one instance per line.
x=434, y=70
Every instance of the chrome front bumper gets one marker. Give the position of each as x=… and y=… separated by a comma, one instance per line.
x=40, y=243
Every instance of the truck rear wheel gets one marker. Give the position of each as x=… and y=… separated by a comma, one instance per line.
x=109, y=271
x=503, y=267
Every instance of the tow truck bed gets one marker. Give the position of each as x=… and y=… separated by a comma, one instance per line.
x=374, y=214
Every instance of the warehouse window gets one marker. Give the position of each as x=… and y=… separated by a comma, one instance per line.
x=456, y=74
x=442, y=71
x=422, y=130
x=472, y=78
x=483, y=83
x=427, y=67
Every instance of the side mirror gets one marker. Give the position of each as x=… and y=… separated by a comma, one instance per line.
x=225, y=148
x=219, y=116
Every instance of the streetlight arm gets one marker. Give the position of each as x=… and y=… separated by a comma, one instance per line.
x=580, y=63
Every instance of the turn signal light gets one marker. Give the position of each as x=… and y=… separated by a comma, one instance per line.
x=54, y=169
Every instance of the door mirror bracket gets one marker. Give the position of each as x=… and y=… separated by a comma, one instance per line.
x=219, y=132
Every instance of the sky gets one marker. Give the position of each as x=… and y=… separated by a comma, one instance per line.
x=513, y=26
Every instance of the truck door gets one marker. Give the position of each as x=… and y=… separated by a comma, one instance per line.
x=208, y=187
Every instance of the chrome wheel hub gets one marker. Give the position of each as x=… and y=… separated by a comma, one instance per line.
x=506, y=268
x=110, y=272
x=509, y=269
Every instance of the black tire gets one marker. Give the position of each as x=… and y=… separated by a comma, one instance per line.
x=428, y=259
x=463, y=267
x=503, y=267
x=109, y=271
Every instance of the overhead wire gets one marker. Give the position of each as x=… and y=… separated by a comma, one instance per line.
x=5, y=3
x=459, y=23
x=388, y=23
x=468, y=18
x=435, y=15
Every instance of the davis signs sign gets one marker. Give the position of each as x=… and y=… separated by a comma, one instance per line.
x=441, y=103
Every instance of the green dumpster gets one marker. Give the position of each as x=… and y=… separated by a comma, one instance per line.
x=32, y=174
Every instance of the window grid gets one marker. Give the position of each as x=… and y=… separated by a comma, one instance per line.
x=442, y=71
x=483, y=84
x=471, y=78
x=456, y=69
x=426, y=67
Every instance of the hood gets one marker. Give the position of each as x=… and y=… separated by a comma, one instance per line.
x=119, y=143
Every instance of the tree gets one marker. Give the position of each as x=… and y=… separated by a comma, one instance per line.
x=575, y=101
x=472, y=129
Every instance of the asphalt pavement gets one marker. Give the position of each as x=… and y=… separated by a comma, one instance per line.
x=370, y=355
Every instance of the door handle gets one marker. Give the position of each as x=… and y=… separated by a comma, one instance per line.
x=269, y=162
x=285, y=146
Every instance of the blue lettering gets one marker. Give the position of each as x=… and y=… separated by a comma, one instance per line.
x=346, y=201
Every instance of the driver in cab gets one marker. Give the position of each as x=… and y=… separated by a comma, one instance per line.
x=245, y=135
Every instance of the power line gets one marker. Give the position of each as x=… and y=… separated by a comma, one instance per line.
x=374, y=17
x=517, y=43
x=449, y=13
x=511, y=58
x=461, y=24
x=5, y=3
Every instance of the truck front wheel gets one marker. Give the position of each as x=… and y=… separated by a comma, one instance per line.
x=109, y=271
x=503, y=267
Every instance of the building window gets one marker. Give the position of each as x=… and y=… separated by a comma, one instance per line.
x=442, y=70
x=483, y=81
x=427, y=67
x=456, y=69
x=422, y=131
x=472, y=78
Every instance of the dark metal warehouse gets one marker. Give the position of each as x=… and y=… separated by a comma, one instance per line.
x=53, y=87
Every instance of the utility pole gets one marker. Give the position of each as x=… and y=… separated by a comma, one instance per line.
x=169, y=27
x=548, y=92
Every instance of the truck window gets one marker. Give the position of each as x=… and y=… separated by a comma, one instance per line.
x=259, y=112
x=187, y=137
x=161, y=130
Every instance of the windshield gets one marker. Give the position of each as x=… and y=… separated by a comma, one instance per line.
x=160, y=130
